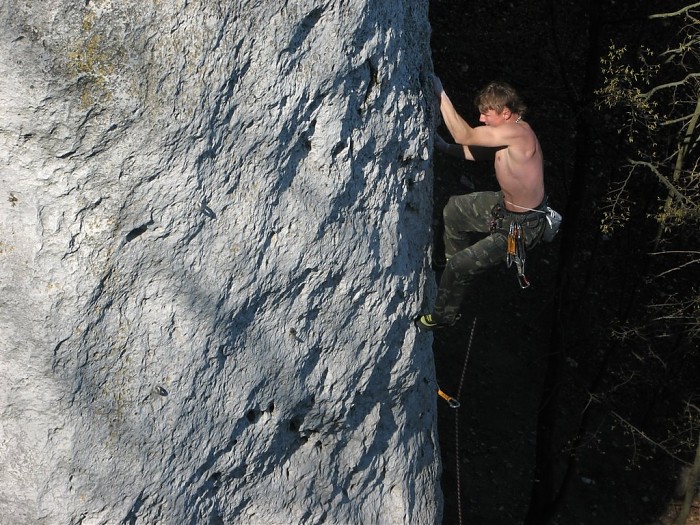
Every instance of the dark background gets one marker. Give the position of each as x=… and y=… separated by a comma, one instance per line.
x=534, y=444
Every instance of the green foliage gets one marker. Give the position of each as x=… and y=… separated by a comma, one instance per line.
x=657, y=98
x=623, y=86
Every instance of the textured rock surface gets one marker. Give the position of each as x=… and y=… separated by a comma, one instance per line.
x=213, y=235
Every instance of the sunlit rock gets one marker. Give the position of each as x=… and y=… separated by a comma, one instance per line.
x=214, y=232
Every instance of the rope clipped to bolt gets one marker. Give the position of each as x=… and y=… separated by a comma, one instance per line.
x=454, y=403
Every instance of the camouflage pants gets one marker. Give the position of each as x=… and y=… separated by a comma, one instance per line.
x=465, y=215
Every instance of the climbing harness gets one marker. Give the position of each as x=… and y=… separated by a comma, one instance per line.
x=515, y=248
x=552, y=216
x=516, y=252
x=515, y=234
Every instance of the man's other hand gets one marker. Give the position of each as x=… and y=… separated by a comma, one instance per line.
x=437, y=86
x=441, y=144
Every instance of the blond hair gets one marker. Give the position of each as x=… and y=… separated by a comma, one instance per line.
x=498, y=96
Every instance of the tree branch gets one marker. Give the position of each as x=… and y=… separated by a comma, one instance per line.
x=643, y=435
x=681, y=11
x=653, y=90
x=663, y=179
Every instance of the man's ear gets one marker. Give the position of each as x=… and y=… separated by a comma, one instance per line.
x=507, y=113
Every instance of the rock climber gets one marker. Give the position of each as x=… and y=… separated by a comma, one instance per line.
x=512, y=219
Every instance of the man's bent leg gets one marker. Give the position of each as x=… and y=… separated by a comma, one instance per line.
x=465, y=214
x=460, y=270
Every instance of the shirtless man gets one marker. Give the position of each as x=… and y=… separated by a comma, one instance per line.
x=507, y=139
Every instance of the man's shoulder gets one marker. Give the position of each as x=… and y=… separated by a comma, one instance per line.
x=514, y=132
x=523, y=146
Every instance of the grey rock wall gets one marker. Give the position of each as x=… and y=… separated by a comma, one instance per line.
x=214, y=232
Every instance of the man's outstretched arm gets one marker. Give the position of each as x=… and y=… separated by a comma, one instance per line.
x=460, y=130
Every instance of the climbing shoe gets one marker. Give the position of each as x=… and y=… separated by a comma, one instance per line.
x=428, y=322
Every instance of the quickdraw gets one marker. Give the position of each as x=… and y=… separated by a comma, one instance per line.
x=450, y=400
x=516, y=252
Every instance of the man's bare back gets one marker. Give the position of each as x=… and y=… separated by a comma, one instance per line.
x=519, y=170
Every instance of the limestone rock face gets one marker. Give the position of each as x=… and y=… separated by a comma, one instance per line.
x=214, y=232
